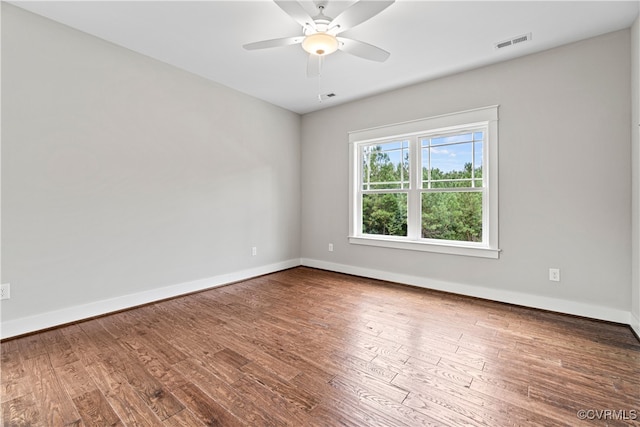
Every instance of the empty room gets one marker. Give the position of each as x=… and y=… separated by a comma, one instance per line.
x=320, y=213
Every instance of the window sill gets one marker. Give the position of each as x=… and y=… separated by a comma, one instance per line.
x=412, y=245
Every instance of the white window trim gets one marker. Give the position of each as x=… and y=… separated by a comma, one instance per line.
x=486, y=116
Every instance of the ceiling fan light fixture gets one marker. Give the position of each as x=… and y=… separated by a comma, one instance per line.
x=320, y=44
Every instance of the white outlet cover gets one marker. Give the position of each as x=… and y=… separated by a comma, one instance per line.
x=5, y=291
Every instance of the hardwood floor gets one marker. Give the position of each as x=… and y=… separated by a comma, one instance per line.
x=306, y=347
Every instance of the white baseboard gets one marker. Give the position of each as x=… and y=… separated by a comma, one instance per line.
x=51, y=319
x=635, y=324
x=500, y=295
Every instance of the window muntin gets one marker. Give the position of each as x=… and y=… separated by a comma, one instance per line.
x=453, y=160
x=385, y=165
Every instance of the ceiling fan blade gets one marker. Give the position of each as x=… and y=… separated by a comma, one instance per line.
x=273, y=43
x=297, y=12
x=357, y=14
x=363, y=50
x=314, y=65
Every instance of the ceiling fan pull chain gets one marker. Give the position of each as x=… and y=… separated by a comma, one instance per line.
x=321, y=60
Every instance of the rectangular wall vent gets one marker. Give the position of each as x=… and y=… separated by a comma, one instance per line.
x=513, y=40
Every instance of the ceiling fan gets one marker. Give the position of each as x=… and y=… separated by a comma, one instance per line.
x=320, y=32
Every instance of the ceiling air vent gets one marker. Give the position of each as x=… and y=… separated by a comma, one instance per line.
x=325, y=96
x=512, y=41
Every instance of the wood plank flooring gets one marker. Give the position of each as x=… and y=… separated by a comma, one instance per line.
x=306, y=347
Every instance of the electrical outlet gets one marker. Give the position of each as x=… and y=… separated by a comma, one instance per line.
x=554, y=274
x=5, y=291
x=330, y=247
x=254, y=251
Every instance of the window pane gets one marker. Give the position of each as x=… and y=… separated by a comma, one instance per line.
x=425, y=166
x=463, y=183
x=384, y=186
x=452, y=216
x=464, y=137
x=385, y=214
x=477, y=159
x=452, y=160
x=385, y=166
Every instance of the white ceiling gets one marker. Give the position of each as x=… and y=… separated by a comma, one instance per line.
x=427, y=39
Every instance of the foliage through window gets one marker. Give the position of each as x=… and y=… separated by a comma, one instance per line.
x=426, y=187
x=385, y=179
x=452, y=186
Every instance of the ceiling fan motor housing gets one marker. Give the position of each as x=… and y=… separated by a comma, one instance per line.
x=317, y=40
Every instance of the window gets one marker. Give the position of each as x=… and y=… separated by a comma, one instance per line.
x=427, y=185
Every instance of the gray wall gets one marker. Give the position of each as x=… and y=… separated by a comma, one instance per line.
x=564, y=175
x=122, y=175
x=635, y=159
x=126, y=180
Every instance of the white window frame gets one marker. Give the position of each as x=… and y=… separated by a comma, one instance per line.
x=480, y=117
